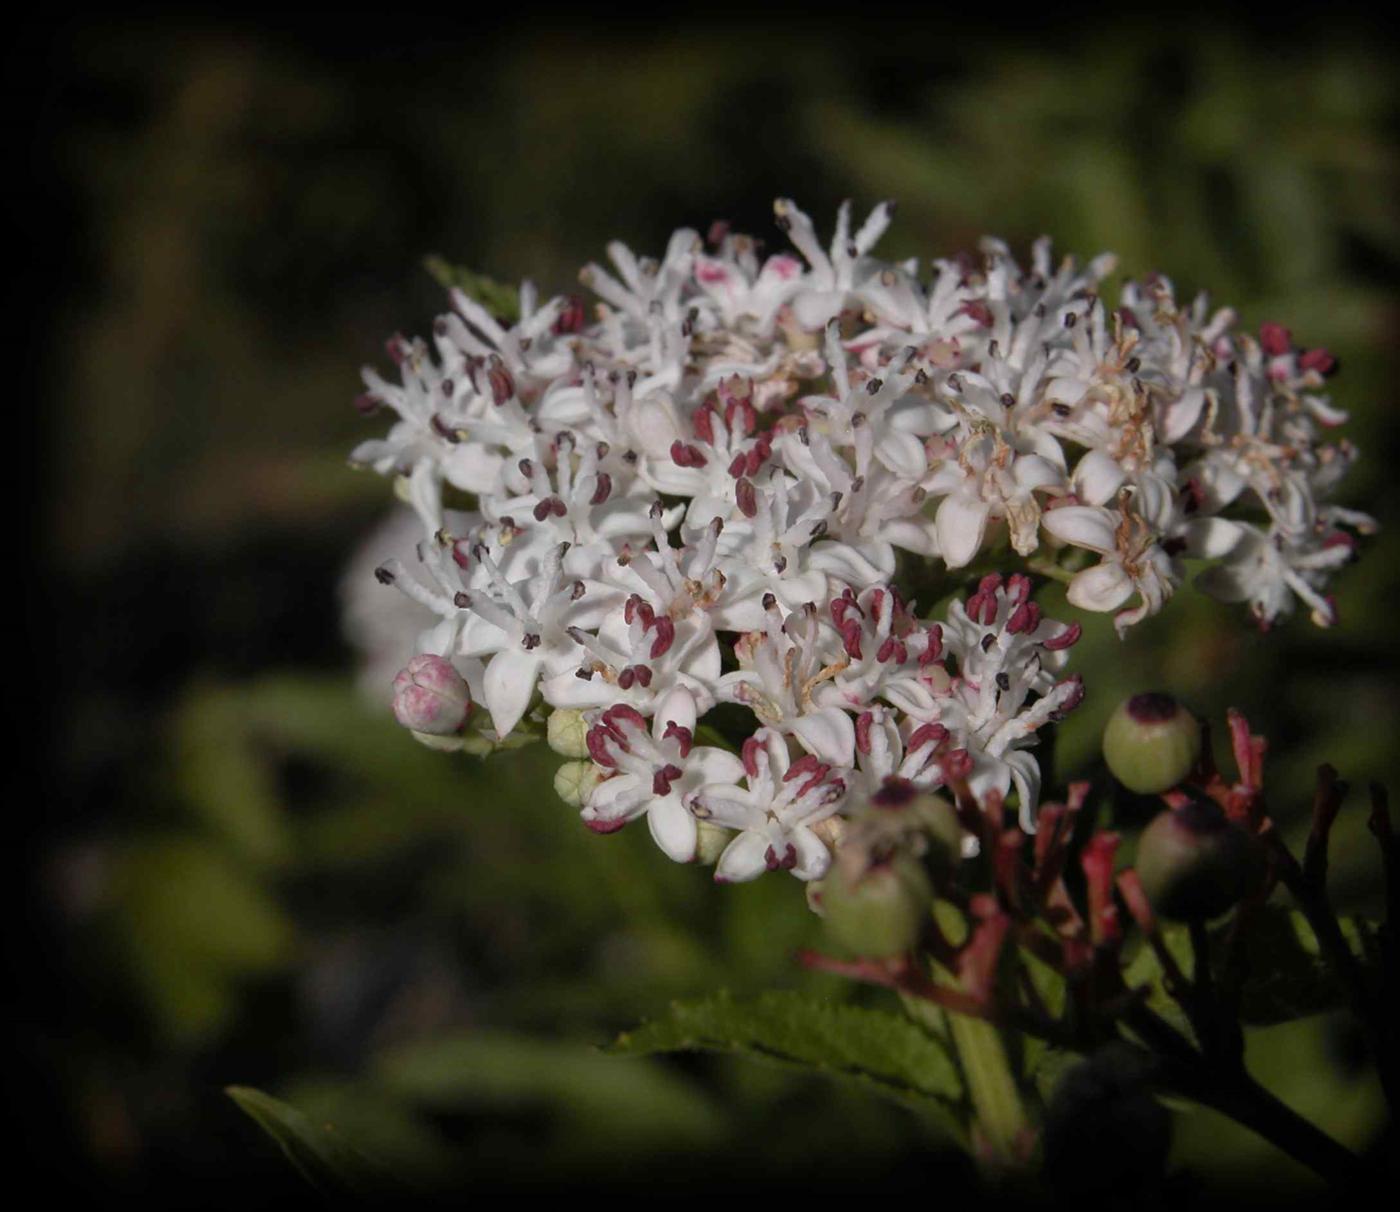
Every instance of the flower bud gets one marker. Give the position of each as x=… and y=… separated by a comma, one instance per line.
x=1194, y=862
x=1151, y=743
x=574, y=782
x=710, y=842
x=567, y=732
x=880, y=912
x=431, y=697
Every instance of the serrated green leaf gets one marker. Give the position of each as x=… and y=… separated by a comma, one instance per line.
x=321, y=1154
x=499, y=299
x=885, y=1051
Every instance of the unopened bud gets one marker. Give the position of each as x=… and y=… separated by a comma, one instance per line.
x=1194, y=862
x=880, y=912
x=431, y=697
x=567, y=732
x=1151, y=743
x=710, y=842
x=574, y=782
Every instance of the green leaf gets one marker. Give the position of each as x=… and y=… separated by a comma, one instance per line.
x=1286, y=975
x=495, y=1071
x=499, y=299
x=882, y=1050
x=324, y=1158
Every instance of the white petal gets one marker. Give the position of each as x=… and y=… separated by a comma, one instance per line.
x=962, y=521
x=508, y=685
x=1098, y=476
x=678, y=707
x=1104, y=587
x=672, y=828
x=1081, y=525
x=813, y=858
x=829, y=734
x=1025, y=773
x=743, y=859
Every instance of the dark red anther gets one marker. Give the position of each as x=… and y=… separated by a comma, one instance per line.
x=850, y=638
x=662, y=779
x=1063, y=639
x=703, y=421
x=366, y=405
x=665, y=636
x=979, y=312
x=626, y=678
x=1074, y=695
x=1026, y=617
x=1319, y=360
x=892, y=649
x=1018, y=587
x=602, y=488
x=597, y=739
x=740, y=416
x=807, y=763
x=620, y=713
x=684, y=455
x=461, y=553
x=934, y=649
x=957, y=764
x=444, y=430
x=502, y=384
x=1275, y=339
x=684, y=737
x=864, y=722
x=926, y=734
x=748, y=754
x=397, y=348
x=746, y=498
x=786, y=863
x=570, y=318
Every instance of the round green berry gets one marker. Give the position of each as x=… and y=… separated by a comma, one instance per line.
x=880, y=912
x=1151, y=743
x=1195, y=863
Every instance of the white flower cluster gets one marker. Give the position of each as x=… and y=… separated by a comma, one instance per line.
x=698, y=496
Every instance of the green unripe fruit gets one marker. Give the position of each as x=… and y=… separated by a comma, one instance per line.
x=1194, y=862
x=1151, y=743
x=881, y=912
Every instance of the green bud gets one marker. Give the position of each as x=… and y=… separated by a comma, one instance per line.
x=1194, y=862
x=574, y=782
x=445, y=744
x=710, y=842
x=567, y=732
x=880, y=912
x=1151, y=743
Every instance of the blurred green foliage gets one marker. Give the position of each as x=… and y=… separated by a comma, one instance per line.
x=262, y=880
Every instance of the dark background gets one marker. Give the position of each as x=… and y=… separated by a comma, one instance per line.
x=232, y=867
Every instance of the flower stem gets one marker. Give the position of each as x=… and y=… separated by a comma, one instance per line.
x=996, y=1102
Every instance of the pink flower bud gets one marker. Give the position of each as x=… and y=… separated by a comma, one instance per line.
x=431, y=696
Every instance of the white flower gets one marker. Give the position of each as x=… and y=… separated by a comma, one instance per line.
x=774, y=813
x=654, y=772
x=717, y=487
